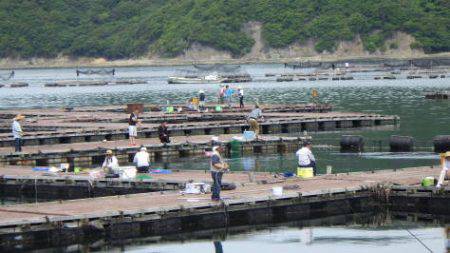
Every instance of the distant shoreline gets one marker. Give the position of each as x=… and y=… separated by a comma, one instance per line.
x=103, y=63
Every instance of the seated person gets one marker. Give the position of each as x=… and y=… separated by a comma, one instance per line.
x=110, y=162
x=142, y=160
x=163, y=133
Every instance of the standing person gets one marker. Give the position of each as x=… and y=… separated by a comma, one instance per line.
x=110, y=162
x=201, y=100
x=306, y=158
x=445, y=169
x=163, y=133
x=253, y=118
x=17, y=132
x=229, y=95
x=218, y=167
x=221, y=94
x=142, y=160
x=241, y=97
x=133, y=121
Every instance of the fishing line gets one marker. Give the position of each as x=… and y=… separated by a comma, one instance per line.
x=418, y=239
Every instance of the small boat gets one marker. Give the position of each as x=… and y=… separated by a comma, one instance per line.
x=194, y=79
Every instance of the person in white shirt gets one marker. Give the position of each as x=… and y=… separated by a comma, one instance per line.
x=445, y=169
x=306, y=158
x=110, y=162
x=17, y=132
x=142, y=160
x=241, y=97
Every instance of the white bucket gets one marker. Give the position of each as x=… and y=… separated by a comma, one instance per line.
x=277, y=191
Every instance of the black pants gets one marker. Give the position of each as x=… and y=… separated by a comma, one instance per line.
x=18, y=144
x=164, y=139
x=311, y=165
x=143, y=169
x=241, y=102
x=217, y=184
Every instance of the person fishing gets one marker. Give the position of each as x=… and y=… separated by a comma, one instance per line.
x=306, y=158
x=218, y=167
x=110, y=162
x=133, y=121
x=163, y=133
x=253, y=117
x=142, y=160
x=17, y=132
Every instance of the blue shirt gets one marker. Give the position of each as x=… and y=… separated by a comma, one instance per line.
x=229, y=92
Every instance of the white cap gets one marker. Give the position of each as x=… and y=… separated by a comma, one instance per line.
x=201, y=91
x=143, y=149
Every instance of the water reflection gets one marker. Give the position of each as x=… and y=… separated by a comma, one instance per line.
x=343, y=233
x=218, y=247
x=340, y=162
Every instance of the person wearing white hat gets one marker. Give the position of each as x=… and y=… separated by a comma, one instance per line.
x=110, y=162
x=201, y=100
x=445, y=169
x=217, y=167
x=17, y=132
x=142, y=160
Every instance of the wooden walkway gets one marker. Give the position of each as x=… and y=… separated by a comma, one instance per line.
x=88, y=154
x=91, y=124
x=247, y=192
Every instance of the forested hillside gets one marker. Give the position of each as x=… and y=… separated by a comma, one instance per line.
x=124, y=28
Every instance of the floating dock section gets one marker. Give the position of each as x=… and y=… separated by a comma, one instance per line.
x=159, y=213
x=91, y=154
x=60, y=127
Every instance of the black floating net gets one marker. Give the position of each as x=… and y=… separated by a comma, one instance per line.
x=217, y=67
x=104, y=72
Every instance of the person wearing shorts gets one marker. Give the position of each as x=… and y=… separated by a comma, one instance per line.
x=133, y=120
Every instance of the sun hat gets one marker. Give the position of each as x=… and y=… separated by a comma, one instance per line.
x=19, y=116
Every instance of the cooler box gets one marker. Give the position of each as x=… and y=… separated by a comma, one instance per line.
x=305, y=172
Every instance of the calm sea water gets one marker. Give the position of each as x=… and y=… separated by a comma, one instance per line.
x=423, y=119
x=289, y=238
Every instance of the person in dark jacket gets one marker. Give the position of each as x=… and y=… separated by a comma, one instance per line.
x=163, y=133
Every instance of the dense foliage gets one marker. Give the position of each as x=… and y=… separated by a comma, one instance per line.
x=131, y=28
